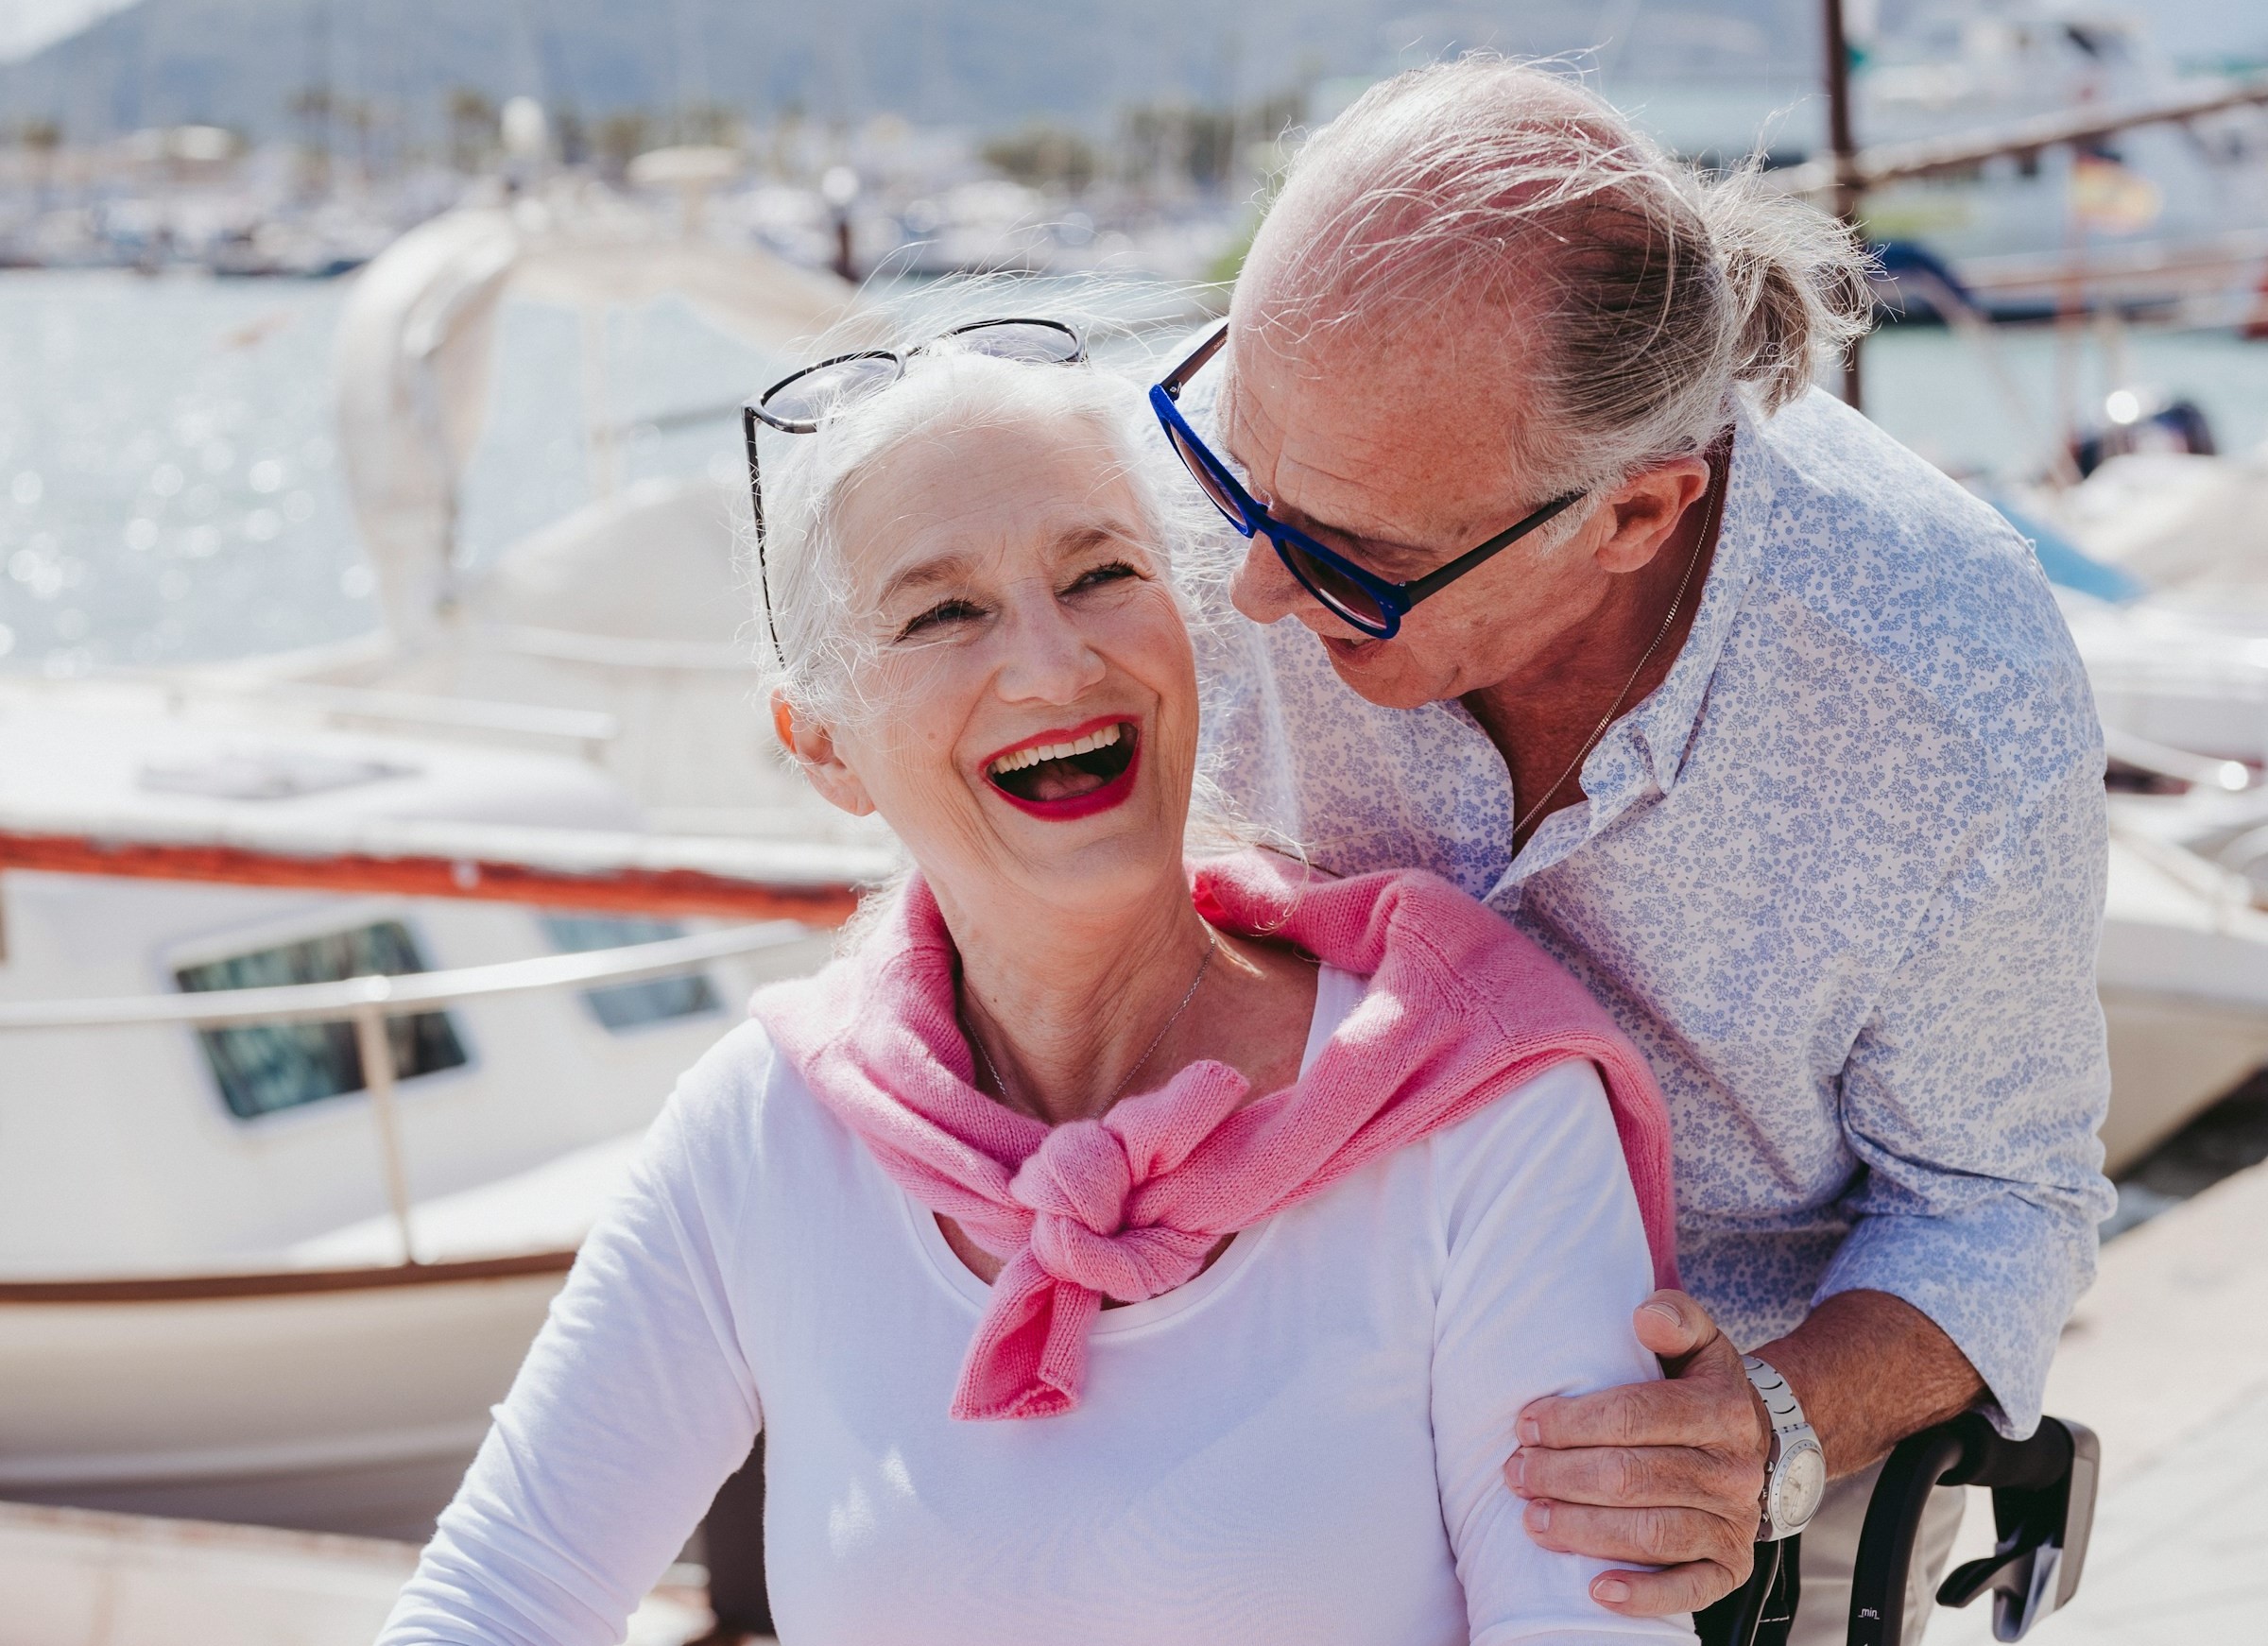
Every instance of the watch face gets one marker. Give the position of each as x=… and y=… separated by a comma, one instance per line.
x=1802, y=1484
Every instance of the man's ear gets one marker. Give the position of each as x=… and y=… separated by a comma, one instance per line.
x=812, y=747
x=1646, y=510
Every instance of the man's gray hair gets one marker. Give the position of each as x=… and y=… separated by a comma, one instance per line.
x=1636, y=292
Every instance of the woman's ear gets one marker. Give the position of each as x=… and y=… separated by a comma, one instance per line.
x=812, y=747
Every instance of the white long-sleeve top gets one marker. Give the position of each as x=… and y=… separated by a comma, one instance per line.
x=1301, y=1445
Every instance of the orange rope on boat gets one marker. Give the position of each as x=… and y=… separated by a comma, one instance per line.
x=615, y=890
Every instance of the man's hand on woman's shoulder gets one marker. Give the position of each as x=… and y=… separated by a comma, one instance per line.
x=1668, y=1474
x=1672, y=1474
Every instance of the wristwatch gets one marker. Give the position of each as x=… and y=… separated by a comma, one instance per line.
x=1795, y=1472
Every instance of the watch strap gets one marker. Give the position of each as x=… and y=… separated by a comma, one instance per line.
x=1786, y=1411
x=1791, y=1437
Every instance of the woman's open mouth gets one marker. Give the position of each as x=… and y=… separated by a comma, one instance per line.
x=1073, y=773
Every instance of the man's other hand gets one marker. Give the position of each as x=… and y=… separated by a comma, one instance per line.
x=1669, y=1474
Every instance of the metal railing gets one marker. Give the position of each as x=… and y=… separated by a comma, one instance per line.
x=368, y=1002
x=607, y=651
x=591, y=729
x=1890, y=163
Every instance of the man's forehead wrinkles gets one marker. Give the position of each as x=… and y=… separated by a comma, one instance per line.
x=1286, y=458
x=1366, y=485
x=1373, y=446
x=1337, y=504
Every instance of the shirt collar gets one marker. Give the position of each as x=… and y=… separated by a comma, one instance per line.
x=1661, y=728
x=1644, y=751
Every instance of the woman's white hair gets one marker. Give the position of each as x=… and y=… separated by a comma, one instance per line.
x=1634, y=292
x=824, y=639
x=946, y=390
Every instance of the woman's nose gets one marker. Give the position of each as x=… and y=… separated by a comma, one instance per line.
x=1050, y=659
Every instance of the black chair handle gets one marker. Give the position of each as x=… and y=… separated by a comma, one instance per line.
x=1761, y=1611
x=2043, y=1503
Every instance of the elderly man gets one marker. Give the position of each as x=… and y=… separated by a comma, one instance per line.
x=1577, y=593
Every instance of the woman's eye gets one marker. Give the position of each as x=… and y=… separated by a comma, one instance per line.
x=938, y=616
x=1095, y=576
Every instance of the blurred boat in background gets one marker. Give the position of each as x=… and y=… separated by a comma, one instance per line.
x=2159, y=214
x=274, y=1242
x=2182, y=974
x=323, y=1049
x=635, y=606
x=2160, y=564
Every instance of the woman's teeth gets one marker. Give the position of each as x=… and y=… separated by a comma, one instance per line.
x=1047, y=751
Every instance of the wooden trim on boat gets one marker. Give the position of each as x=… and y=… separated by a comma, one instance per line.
x=281, y=1283
x=1891, y=163
x=617, y=889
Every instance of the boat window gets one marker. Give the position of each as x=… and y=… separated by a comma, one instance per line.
x=263, y=1068
x=627, y=1005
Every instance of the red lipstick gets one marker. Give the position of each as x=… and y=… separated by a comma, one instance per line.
x=1064, y=734
x=1070, y=807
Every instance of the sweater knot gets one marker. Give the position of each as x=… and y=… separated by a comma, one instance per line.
x=1077, y=1184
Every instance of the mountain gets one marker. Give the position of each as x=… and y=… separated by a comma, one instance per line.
x=983, y=63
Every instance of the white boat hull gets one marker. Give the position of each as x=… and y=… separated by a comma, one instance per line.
x=353, y=1408
x=2171, y=1059
x=2183, y=976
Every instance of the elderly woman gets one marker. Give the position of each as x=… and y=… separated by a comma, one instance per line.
x=1234, y=1358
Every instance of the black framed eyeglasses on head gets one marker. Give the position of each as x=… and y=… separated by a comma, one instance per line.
x=803, y=400
x=1351, y=592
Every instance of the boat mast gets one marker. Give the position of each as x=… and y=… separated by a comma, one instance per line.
x=1845, y=151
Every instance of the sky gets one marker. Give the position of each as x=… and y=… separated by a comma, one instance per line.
x=2187, y=29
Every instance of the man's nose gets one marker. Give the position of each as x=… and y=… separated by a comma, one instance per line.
x=1263, y=589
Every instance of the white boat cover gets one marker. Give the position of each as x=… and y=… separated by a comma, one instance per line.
x=416, y=343
x=2188, y=527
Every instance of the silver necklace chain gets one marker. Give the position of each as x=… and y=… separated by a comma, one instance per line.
x=1708, y=530
x=1211, y=946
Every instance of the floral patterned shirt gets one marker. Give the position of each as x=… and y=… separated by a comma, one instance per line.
x=1841, y=875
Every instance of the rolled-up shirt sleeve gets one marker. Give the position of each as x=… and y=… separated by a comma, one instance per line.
x=1974, y=1095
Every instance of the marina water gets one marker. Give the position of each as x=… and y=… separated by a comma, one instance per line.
x=170, y=489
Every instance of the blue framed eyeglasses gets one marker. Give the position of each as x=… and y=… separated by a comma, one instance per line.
x=1352, y=593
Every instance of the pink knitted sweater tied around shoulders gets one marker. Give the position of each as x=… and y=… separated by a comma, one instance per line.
x=1460, y=1009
